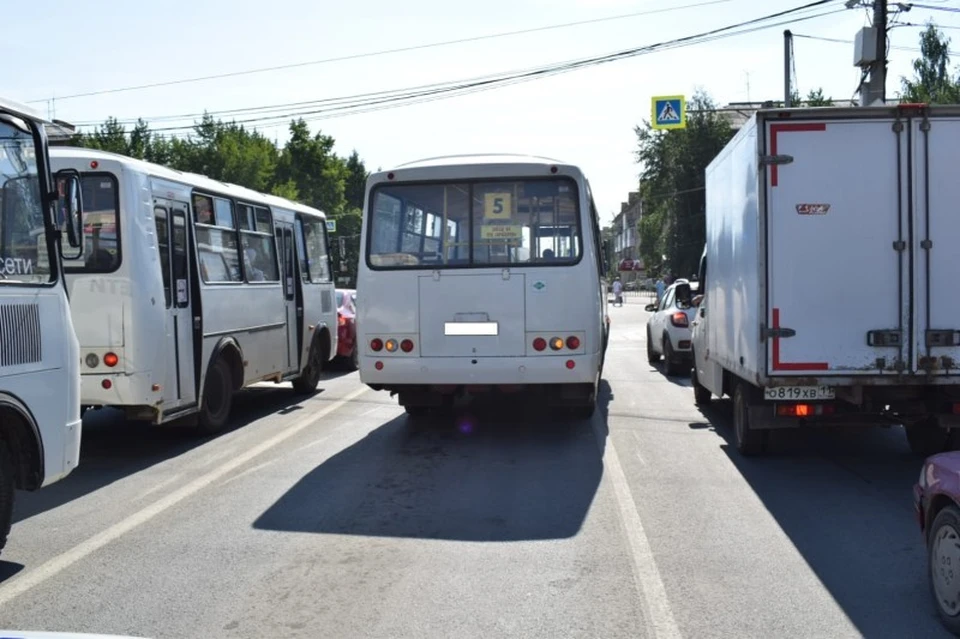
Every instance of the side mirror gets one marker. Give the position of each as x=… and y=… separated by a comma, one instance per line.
x=70, y=212
x=650, y=308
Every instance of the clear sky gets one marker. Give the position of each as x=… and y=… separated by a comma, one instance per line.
x=585, y=117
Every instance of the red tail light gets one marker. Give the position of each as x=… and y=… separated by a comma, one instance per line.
x=111, y=359
x=573, y=342
x=679, y=319
x=341, y=320
x=804, y=410
x=376, y=344
x=539, y=344
x=571, y=364
x=406, y=345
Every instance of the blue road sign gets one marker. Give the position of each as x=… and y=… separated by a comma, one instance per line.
x=669, y=112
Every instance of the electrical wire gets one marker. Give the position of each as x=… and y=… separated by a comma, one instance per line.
x=364, y=103
x=370, y=54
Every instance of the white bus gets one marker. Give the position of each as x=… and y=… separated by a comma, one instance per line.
x=482, y=273
x=39, y=356
x=193, y=289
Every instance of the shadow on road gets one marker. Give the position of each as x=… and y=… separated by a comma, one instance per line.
x=491, y=473
x=843, y=497
x=113, y=448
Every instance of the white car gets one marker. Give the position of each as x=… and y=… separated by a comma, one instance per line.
x=668, y=329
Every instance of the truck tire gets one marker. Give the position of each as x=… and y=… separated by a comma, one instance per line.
x=6, y=493
x=217, y=398
x=944, y=578
x=652, y=355
x=926, y=438
x=749, y=442
x=701, y=394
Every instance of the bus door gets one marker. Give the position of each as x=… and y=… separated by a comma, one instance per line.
x=284, y=231
x=171, y=220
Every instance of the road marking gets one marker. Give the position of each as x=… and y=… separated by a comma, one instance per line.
x=658, y=612
x=160, y=485
x=19, y=585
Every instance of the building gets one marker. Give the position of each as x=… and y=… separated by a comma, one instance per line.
x=626, y=239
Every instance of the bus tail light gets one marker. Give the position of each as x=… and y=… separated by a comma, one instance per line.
x=406, y=345
x=378, y=366
x=539, y=344
x=111, y=359
x=107, y=384
x=679, y=319
x=391, y=345
x=376, y=345
x=92, y=360
x=571, y=364
x=573, y=342
x=556, y=343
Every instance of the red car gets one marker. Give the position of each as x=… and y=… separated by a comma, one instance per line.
x=936, y=499
x=347, y=354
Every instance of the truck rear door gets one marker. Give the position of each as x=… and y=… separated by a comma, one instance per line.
x=836, y=299
x=936, y=155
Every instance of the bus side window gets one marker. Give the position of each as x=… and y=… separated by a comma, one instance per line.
x=302, y=251
x=163, y=245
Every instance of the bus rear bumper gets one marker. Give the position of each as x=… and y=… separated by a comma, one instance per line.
x=118, y=389
x=466, y=371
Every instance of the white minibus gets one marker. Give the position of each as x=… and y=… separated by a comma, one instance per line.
x=192, y=289
x=39, y=357
x=482, y=273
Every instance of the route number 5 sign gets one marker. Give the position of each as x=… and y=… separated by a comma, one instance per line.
x=497, y=206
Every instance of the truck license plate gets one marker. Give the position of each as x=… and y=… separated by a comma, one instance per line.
x=792, y=393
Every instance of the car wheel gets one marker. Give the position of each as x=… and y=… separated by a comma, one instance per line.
x=944, y=566
x=652, y=356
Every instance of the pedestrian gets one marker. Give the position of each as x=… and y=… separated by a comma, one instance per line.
x=617, y=292
x=660, y=287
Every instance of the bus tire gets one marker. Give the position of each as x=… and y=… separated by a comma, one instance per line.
x=7, y=482
x=309, y=379
x=217, y=398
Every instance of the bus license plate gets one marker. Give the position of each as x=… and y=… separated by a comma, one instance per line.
x=792, y=393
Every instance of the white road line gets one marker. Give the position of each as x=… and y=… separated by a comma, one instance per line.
x=163, y=484
x=19, y=585
x=657, y=608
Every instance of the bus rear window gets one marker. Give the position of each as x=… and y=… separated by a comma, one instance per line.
x=533, y=222
x=101, y=210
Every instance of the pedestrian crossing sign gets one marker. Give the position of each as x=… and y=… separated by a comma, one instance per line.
x=669, y=112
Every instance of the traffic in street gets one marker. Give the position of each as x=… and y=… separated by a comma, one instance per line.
x=336, y=516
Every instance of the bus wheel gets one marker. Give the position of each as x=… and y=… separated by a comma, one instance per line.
x=217, y=398
x=310, y=377
x=6, y=492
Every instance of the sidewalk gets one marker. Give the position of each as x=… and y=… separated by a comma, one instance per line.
x=635, y=297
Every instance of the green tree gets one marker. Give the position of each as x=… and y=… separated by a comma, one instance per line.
x=310, y=164
x=356, y=183
x=672, y=186
x=815, y=98
x=933, y=82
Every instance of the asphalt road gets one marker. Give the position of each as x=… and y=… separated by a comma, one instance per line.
x=331, y=518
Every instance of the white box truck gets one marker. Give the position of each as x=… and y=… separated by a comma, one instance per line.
x=830, y=273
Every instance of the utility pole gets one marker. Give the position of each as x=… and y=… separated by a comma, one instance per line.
x=787, y=57
x=876, y=87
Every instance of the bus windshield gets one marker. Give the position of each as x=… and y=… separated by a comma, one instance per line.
x=480, y=224
x=23, y=241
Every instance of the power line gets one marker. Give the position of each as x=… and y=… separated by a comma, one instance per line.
x=842, y=41
x=370, y=54
x=364, y=103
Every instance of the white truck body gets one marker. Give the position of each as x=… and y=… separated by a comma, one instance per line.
x=830, y=248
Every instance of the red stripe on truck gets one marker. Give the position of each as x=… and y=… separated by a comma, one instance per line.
x=791, y=366
x=784, y=127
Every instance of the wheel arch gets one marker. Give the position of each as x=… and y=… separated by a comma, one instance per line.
x=230, y=350
x=20, y=430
